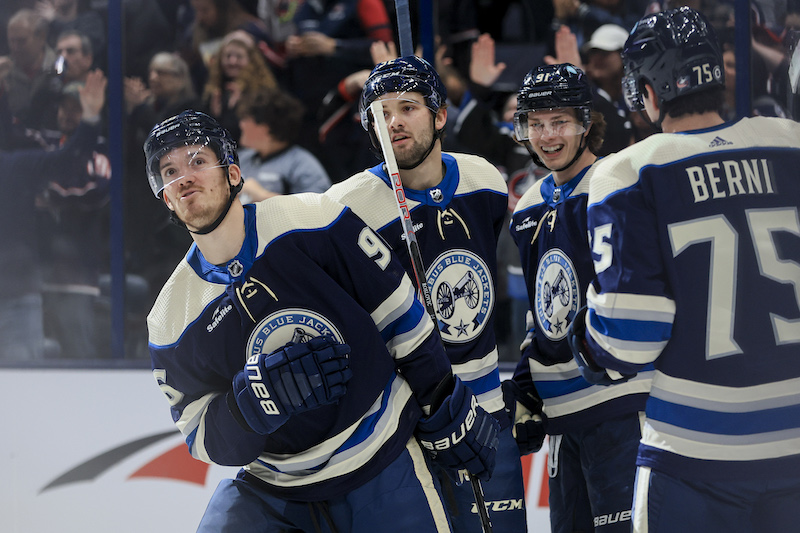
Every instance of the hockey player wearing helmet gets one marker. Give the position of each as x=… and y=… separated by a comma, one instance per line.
x=690, y=232
x=593, y=436
x=289, y=341
x=458, y=204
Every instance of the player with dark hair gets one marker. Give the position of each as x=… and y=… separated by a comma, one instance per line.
x=289, y=340
x=594, y=431
x=457, y=204
x=694, y=235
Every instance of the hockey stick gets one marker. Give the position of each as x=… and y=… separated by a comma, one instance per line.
x=404, y=27
x=382, y=132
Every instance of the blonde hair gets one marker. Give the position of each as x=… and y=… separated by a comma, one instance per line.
x=255, y=76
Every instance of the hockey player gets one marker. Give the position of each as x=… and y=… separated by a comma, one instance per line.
x=594, y=431
x=457, y=204
x=289, y=340
x=694, y=238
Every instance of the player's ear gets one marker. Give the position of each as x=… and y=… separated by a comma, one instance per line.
x=441, y=118
x=166, y=201
x=234, y=174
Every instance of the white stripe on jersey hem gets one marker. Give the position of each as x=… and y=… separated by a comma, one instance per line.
x=341, y=463
x=726, y=399
x=716, y=447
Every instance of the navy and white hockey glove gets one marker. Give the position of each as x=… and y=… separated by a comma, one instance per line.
x=460, y=435
x=292, y=379
x=528, y=421
x=590, y=370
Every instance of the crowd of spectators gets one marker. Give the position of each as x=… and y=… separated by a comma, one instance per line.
x=284, y=76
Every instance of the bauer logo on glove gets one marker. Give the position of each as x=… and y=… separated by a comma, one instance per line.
x=456, y=436
x=460, y=435
x=292, y=379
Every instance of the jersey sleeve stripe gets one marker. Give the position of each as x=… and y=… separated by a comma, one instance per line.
x=477, y=367
x=631, y=306
x=404, y=344
x=586, y=398
x=191, y=424
x=397, y=304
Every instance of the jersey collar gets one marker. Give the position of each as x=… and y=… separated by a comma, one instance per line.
x=439, y=196
x=237, y=267
x=554, y=195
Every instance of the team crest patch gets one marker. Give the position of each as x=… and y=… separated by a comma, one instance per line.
x=463, y=294
x=557, y=295
x=295, y=325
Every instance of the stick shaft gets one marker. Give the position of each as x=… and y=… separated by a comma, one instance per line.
x=382, y=132
x=404, y=27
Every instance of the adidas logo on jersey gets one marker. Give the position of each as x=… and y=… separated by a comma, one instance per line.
x=718, y=141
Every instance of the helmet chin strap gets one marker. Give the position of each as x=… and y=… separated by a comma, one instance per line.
x=233, y=190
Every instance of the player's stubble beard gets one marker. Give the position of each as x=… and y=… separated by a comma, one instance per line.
x=204, y=210
x=411, y=155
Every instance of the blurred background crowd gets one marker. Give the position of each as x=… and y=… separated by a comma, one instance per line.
x=284, y=76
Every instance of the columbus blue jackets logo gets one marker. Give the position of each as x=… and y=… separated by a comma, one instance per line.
x=289, y=325
x=463, y=294
x=557, y=294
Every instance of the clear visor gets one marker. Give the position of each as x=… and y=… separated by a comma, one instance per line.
x=528, y=127
x=399, y=97
x=179, y=163
x=630, y=91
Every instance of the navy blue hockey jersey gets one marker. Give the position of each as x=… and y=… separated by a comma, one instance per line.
x=457, y=224
x=696, y=244
x=308, y=267
x=549, y=227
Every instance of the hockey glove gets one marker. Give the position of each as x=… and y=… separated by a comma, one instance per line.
x=528, y=420
x=460, y=435
x=590, y=370
x=292, y=379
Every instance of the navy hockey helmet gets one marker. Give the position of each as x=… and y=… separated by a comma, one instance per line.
x=552, y=87
x=676, y=51
x=404, y=74
x=189, y=128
